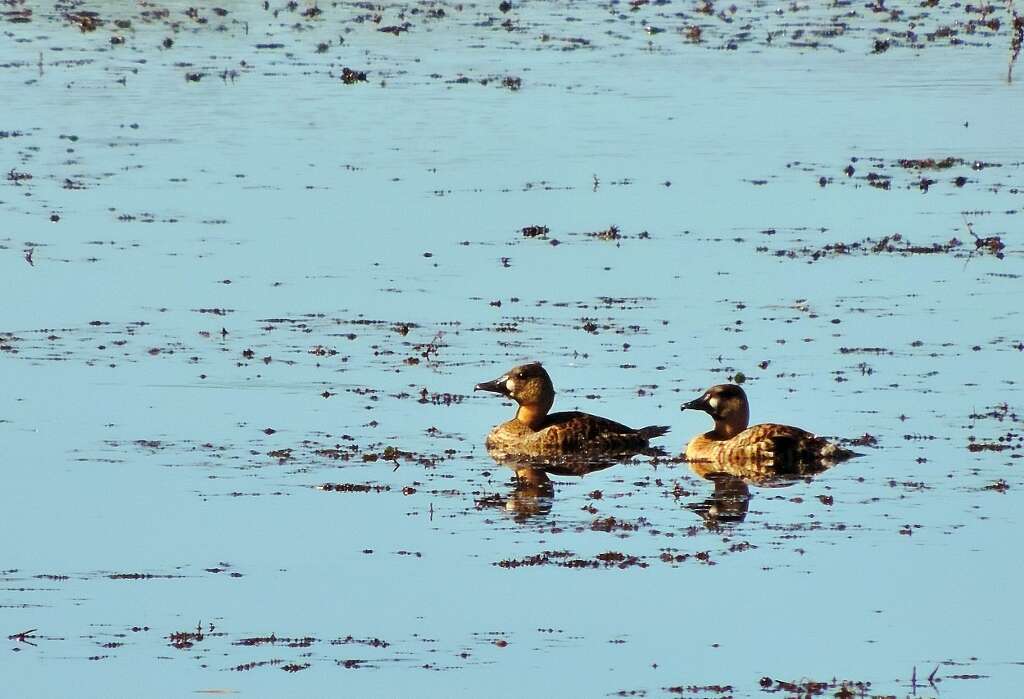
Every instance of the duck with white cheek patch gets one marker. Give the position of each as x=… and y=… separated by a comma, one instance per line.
x=760, y=451
x=535, y=432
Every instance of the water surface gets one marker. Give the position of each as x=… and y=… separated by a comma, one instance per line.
x=246, y=304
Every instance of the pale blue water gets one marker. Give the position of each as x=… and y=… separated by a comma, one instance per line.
x=318, y=202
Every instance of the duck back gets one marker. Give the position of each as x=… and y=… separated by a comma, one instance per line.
x=570, y=433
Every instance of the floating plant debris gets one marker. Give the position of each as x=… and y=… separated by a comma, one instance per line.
x=350, y=77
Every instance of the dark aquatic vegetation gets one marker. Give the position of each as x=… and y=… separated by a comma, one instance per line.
x=350, y=77
x=395, y=29
x=1016, y=40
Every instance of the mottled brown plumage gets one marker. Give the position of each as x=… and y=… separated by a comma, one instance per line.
x=536, y=432
x=754, y=453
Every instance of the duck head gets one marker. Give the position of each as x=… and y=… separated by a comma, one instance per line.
x=529, y=386
x=727, y=405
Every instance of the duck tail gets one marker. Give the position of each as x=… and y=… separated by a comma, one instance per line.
x=835, y=453
x=806, y=456
x=652, y=431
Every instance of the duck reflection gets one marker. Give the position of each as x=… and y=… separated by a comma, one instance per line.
x=534, y=492
x=730, y=500
x=728, y=503
x=533, y=495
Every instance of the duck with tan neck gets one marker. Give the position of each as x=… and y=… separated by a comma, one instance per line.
x=759, y=451
x=536, y=432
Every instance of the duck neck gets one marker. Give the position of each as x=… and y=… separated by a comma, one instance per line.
x=727, y=427
x=533, y=415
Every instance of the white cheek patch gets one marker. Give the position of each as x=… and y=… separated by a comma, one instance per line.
x=713, y=402
x=510, y=385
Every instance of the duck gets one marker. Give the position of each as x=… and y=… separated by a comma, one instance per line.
x=756, y=453
x=536, y=432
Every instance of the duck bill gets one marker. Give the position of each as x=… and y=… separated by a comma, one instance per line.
x=499, y=385
x=697, y=404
